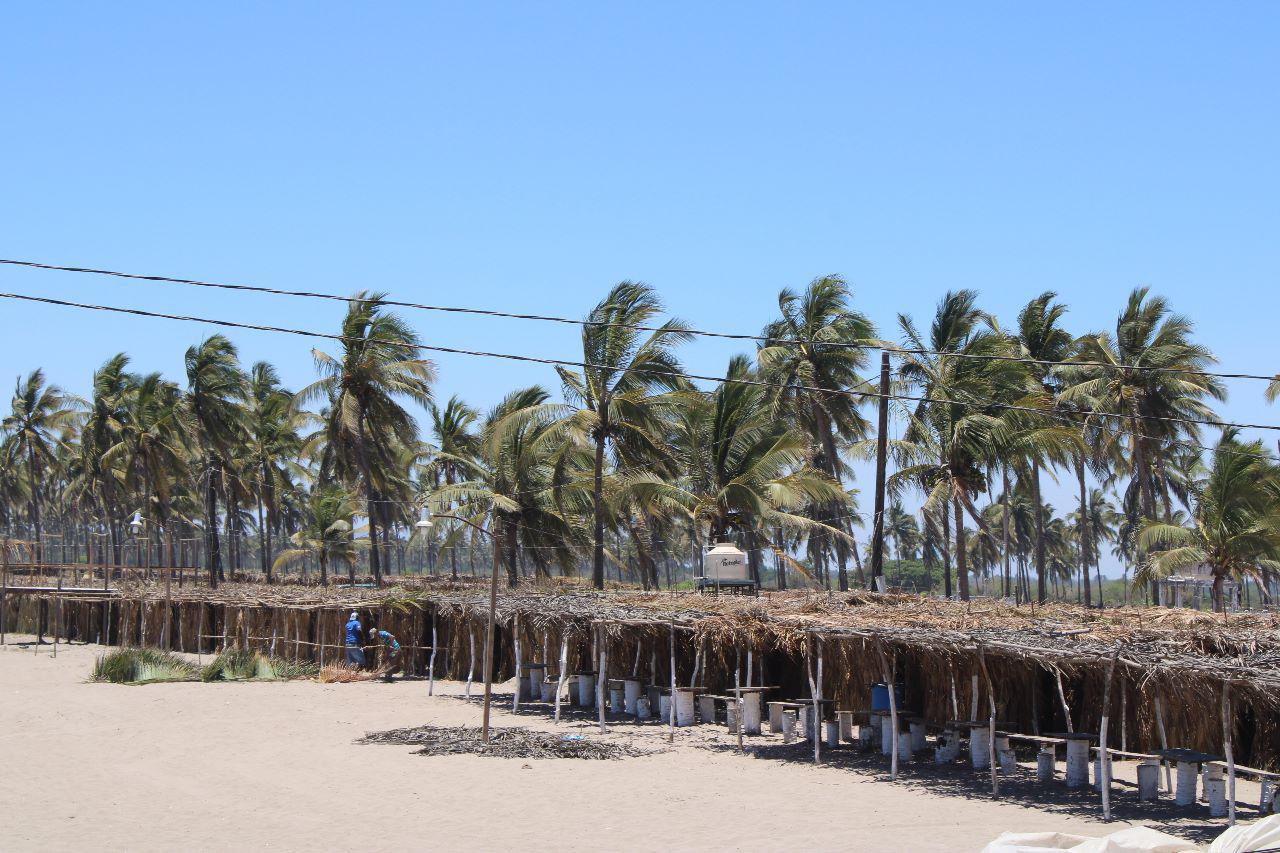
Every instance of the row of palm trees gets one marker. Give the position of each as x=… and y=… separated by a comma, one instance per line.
x=634, y=466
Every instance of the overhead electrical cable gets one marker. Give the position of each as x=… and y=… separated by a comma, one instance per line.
x=557, y=362
x=483, y=312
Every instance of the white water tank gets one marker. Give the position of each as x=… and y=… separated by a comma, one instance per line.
x=725, y=562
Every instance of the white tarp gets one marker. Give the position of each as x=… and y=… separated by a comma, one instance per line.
x=1249, y=837
x=1134, y=839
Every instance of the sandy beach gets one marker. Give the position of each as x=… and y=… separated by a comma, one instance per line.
x=257, y=766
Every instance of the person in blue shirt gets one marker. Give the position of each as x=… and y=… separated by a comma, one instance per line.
x=355, y=654
x=390, y=652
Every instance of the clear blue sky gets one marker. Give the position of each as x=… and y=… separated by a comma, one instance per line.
x=528, y=156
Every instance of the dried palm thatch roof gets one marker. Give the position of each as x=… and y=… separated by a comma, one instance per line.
x=1177, y=648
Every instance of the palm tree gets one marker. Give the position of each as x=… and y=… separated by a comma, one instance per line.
x=272, y=442
x=366, y=425
x=1151, y=370
x=518, y=484
x=819, y=343
x=1235, y=528
x=215, y=392
x=958, y=424
x=37, y=414
x=615, y=391
x=112, y=386
x=326, y=534
x=453, y=458
x=1044, y=344
x=900, y=526
x=746, y=469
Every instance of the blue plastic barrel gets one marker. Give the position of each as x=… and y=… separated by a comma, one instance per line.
x=880, y=696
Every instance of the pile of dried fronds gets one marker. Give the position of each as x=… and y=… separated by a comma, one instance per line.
x=337, y=673
x=503, y=743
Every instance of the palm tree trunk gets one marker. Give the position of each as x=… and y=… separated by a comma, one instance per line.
x=35, y=502
x=597, y=522
x=213, y=554
x=1084, y=533
x=262, y=544
x=1041, y=581
x=946, y=550
x=371, y=508
x=962, y=558
x=1004, y=532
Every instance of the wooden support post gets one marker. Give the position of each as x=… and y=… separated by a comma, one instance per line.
x=1104, y=780
x=1227, y=725
x=1164, y=740
x=602, y=678
x=564, y=663
x=814, y=697
x=737, y=690
x=671, y=732
x=1062, y=697
x=991, y=722
x=471, y=670
x=887, y=675
x=431, y=664
x=515, y=651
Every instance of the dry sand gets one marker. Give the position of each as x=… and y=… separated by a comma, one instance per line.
x=256, y=766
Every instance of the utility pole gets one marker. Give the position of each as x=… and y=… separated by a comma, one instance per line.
x=882, y=452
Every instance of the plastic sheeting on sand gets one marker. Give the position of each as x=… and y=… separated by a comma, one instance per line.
x=1134, y=839
x=1247, y=837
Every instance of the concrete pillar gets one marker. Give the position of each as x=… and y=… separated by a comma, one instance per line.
x=751, y=713
x=731, y=715
x=664, y=707
x=1149, y=780
x=886, y=734
x=617, y=700
x=905, y=752
x=1266, y=795
x=832, y=732
x=1187, y=779
x=846, y=725
x=684, y=707
x=586, y=690
x=706, y=709
x=1005, y=755
x=775, y=718
x=980, y=747
x=1215, y=791
x=867, y=734
x=918, y=740
x=523, y=688
x=1046, y=764
x=788, y=726
x=643, y=711
x=631, y=694
x=1077, y=763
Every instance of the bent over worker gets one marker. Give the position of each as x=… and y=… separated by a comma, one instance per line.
x=390, y=652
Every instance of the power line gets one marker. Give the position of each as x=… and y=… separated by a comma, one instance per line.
x=138, y=312
x=874, y=347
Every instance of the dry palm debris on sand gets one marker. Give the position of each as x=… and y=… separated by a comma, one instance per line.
x=503, y=743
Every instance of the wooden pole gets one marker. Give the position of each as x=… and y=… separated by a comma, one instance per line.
x=4, y=586
x=515, y=651
x=882, y=448
x=887, y=675
x=1228, y=754
x=602, y=678
x=560, y=678
x=991, y=722
x=671, y=706
x=1164, y=741
x=1062, y=697
x=431, y=664
x=564, y=662
x=813, y=696
x=488, y=638
x=1104, y=756
x=471, y=671
x=737, y=690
